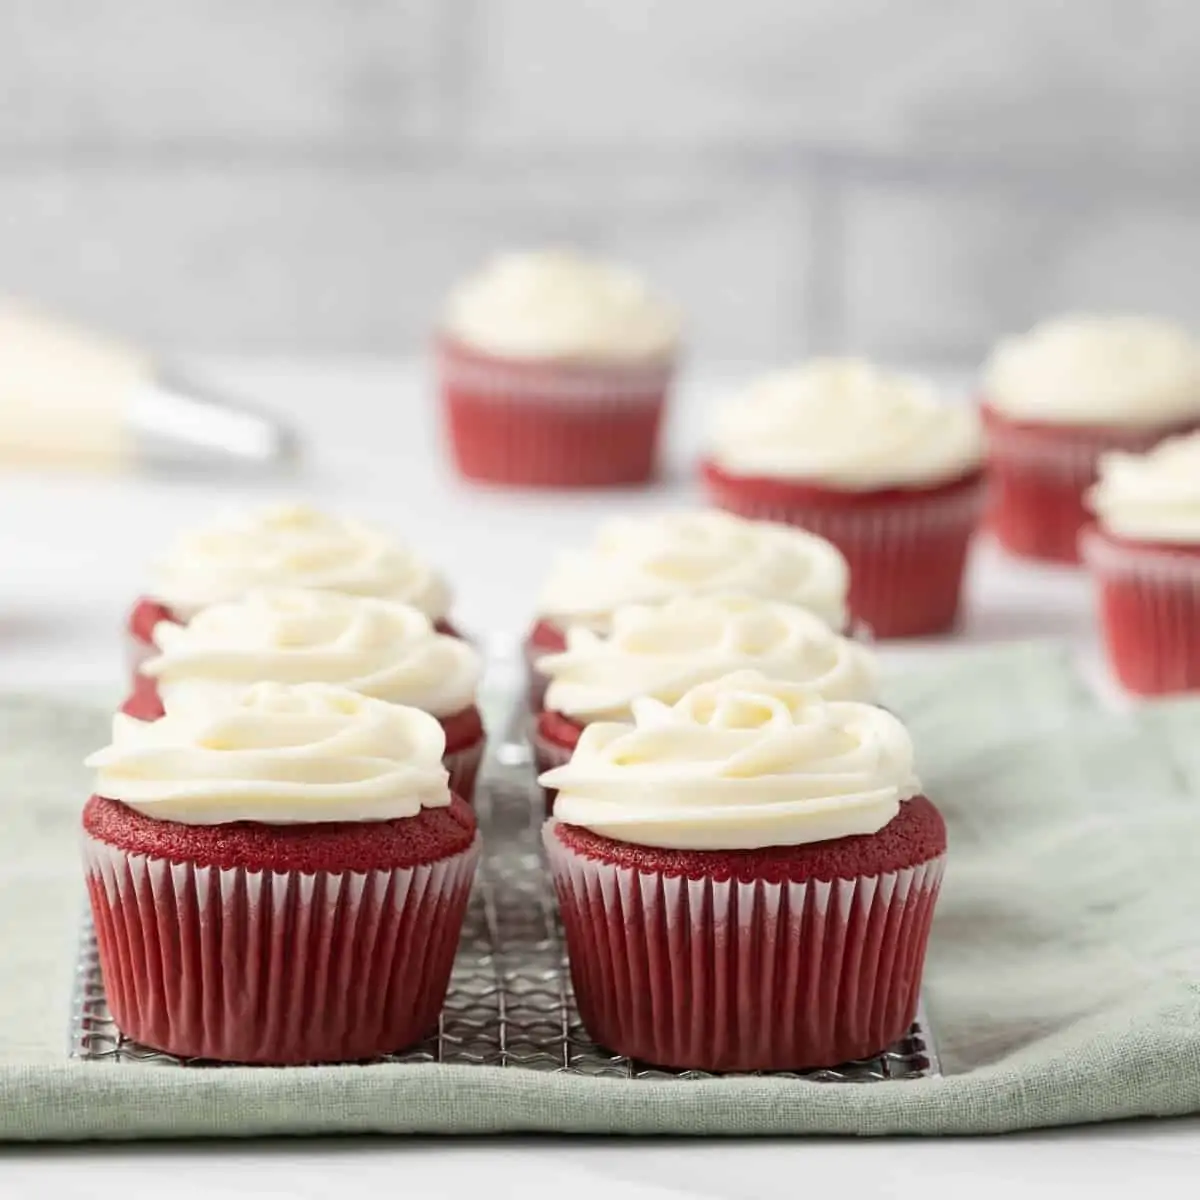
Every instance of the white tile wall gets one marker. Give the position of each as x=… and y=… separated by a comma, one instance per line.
x=137, y=74
x=321, y=259
x=937, y=272
x=981, y=77
x=903, y=179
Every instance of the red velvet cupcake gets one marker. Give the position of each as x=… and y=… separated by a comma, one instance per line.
x=377, y=648
x=554, y=372
x=873, y=462
x=260, y=895
x=1068, y=392
x=746, y=879
x=652, y=559
x=284, y=545
x=1144, y=555
x=661, y=651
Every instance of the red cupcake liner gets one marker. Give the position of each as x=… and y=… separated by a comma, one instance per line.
x=1039, y=475
x=907, y=549
x=275, y=967
x=544, y=638
x=1149, y=599
x=463, y=766
x=720, y=975
x=548, y=754
x=545, y=424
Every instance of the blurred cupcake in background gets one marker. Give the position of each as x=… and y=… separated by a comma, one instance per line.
x=1057, y=398
x=377, y=648
x=1144, y=553
x=652, y=559
x=746, y=878
x=662, y=651
x=281, y=880
x=282, y=545
x=875, y=462
x=554, y=371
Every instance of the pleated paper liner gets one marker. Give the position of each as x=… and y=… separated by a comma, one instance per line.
x=1149, y=604
x=1039, y=474
x=276, y=967
x=906, y=557
x=546, y=424
x=743, y=975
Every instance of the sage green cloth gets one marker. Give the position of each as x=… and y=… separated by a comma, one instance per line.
x=1063, y=982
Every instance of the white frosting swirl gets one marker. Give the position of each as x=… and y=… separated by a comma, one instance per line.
x=661, y=651
x=649, y=559
x=375, y=647
x=558, y=305
x=292, y=545
x=281, y=755
x=1113, y=370
x=1152, y=497
x=740, y=763
x=847, y=424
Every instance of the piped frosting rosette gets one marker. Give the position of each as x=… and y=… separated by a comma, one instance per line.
x=279, y=755
x=743, y=762
x=661, y=651
x=644, y=560
x=380, y=648
x=292, y=545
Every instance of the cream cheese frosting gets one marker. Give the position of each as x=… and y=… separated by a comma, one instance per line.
x=281, y=755
x=650, y=559
x=739, y=763
x=1097, y=370
x=847, y=424
x=378, y=648
x=1152, y=497
x=292, y=545
x=661, y=651
x=554, y=304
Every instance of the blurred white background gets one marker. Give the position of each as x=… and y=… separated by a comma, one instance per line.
x=902, y=179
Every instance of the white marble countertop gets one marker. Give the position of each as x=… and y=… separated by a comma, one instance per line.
x=73, y=550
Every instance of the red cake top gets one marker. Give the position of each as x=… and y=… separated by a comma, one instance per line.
x=434, y=833
x=915, y=835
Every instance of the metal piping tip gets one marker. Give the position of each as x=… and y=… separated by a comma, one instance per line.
x=174, y=422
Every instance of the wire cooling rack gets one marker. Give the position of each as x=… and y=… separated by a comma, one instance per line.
x=510, y=1003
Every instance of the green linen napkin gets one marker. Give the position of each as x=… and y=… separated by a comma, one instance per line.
x=1063, y=983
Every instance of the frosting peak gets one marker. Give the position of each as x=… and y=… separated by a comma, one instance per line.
x=281, y=755
x=1097, y=370
x=292, y=545
x=742, y=762
x=662, y=650
x=649, y=559
x=558, y=305
x=376, y=647
x=1152, y=497
x=847, y=424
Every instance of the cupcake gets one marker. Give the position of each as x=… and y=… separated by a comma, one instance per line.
x=378, y=648
x=663, y=651
x=554, y=371
x=1058, y=398
x=746, y=878
x=651, y=559
x=280, y=881
x=1144, y=554
x=875, y=462
x=284, y=545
